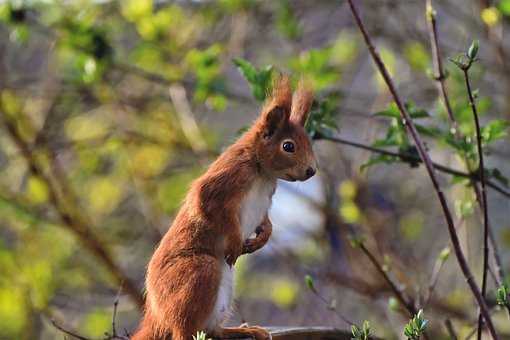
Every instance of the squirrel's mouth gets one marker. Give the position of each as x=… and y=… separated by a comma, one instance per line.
x=290, y=178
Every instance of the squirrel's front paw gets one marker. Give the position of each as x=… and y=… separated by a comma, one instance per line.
x=232, y=252
x=252, y=244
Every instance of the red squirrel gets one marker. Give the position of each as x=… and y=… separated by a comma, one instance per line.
x=189, y=279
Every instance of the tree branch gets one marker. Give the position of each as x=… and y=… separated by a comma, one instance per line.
x=409, y=158
x=408, y=305
x=484, y=205
x=431, y=171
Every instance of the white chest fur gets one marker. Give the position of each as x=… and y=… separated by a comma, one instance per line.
x=254, y=208
x=255, y=205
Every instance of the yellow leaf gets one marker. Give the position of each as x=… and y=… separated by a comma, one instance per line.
x=348, y=190
x=149, y=160
x=134, y=10
x=490, y=16
x=284, y=292
x=411, y=225
x=85, y=127
x=104, y=195
x=344, y=50
x=37, y=190
x=172, y=190
x=147, y=28
x=97, y=322
x=350, y=212
x=12, y=312
x=38, y=275
x=10, y=102
x=417, y=56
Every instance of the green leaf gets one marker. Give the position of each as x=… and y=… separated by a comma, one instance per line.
x=393, y=304
x=356, y=241
x=416, y=326
x=464, y=207
x=378, y=159
x=317, y=66
x=459, y=61
x=322, y=117
x=473, y=49
x=201, y=335
x=415, y=112
x=494, y=130
x=259, y=80
x=205, y=65
x=504, y=7
x=464, y=146
x=444, y=254
x=286, y=22
x=428, y=131
x=362, y=333
x=388, y=113
x=396, y=135
x=460, y=180
x=309, y=283
x=246, y=69
x=502, y=295
x=419, y=113
x=497, y=175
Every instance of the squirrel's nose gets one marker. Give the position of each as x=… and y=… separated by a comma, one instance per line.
x=310, y=172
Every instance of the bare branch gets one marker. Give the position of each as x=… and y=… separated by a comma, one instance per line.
x=485, y=208
x=431, y=171
x=409, y=158
x=68, y=332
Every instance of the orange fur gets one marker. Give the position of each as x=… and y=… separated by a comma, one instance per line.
x=187, y=278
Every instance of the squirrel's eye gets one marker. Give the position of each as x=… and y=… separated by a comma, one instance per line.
x=288, y=147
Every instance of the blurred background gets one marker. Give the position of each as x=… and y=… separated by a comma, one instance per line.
x=109, y=109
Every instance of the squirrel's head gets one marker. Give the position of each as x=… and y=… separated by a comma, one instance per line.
x=283, y=147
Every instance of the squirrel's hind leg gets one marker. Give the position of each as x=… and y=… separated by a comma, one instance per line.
x=183, y=295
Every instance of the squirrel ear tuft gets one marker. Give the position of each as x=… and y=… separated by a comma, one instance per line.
x=301, y=103
x=276, y=111
x=274, y=120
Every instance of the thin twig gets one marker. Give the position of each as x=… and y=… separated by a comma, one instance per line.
x=475, y=328
x=107, y=336
x=431, y=171
x=485, y=208
x=187, y=120
x=114, y=314
x=439, y=74
x=434, y=279
x=329, y=306
x=409, y=306
x=68, y=332
x=451, y=331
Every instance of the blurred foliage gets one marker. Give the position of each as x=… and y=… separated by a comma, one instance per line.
x=259, y=80
x=86, y=86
